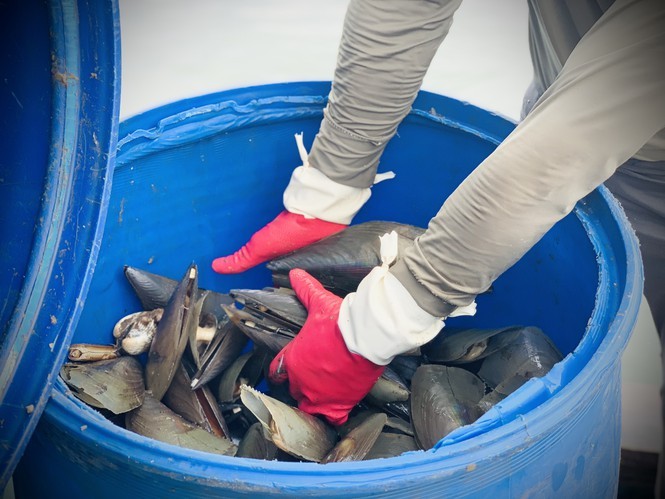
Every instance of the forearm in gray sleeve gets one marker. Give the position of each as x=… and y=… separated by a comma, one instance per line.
x=386, y=48
x=608, y=101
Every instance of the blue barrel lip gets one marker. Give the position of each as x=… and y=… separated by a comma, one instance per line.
x=609, y=342
x=85, y=56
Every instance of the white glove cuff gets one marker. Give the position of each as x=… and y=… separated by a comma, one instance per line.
x=311, y=194
x=381, y=319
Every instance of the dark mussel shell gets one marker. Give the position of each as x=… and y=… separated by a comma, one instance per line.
x=390, y=387
x=443, y=398
x=279, y=304
x=155, y=291
x=341, y=261
x=464, y=345
x=405, y=366
x=391, y=445
x=247, y=369
x=154, y=420
x=530, y=354
x=222, y=351
x=263, y=331
x=355, y=445
x=178, y=322
x=196, y=406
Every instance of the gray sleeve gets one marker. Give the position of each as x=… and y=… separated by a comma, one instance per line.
x=608, y=101
x=384, y=53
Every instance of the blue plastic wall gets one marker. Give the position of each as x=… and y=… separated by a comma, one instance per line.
x=58, y=128
x=194, y=179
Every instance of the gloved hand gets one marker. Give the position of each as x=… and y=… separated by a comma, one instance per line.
x=324, y=376
x=287, y=232
x=315, y=207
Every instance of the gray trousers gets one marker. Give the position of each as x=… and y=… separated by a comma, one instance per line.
x=597, y=102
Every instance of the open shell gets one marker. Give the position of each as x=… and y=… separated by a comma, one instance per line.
x=245, y=370
x=154, y=420
x=358, y=442
x=226, y=345
x=279, y=304
x=292, y=430
x=263, y=331
x=342, y=260
x=443, y=399
x=196, y=406
x=114, y=384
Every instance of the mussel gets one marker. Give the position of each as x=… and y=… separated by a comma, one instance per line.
x=292, y=430
x=355, y=445
x=114, y=384
x=134, y=332
x=464, y=345
x=443, y=398
x=530, y=354
x=342, y=260
x=196, y=406
x=153, y=419
x=178, y=322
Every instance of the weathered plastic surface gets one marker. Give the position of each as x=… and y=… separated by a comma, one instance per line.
x=59, y=96
x=195, y=178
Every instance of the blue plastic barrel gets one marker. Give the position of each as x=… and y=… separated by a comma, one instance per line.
x=195, y=178
x=59, y=99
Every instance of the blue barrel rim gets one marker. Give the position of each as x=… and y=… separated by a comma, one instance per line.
x=78, y=171
x=440, y=460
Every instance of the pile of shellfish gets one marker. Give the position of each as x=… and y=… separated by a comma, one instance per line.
x=190, y=368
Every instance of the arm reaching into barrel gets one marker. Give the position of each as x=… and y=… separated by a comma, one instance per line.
x=606, y=104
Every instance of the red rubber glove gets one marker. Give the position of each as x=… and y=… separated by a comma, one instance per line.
x=324, y=377
x=286, y=233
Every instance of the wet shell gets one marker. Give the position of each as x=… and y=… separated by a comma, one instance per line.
x=342, y=260
x=115, y=384
x=458, y=346
x=358, y=442
x=405, y=366
x=194, y=328
x=153, y=290
x=255, y=445
x=530, y=354
x=196, y=406
x=154, y=420
x=391, y=445
x=172, y=335
x=490, y=400
x=390, y=387
x=245, y=370
x=87, y=352
x=443, y=399
x=290, y=429
x=224, y=348
x=279, y=304
x=136, y=331
x=263, y=331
